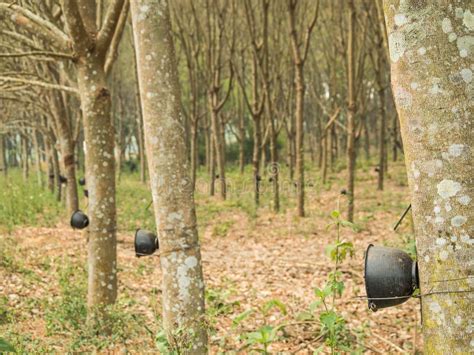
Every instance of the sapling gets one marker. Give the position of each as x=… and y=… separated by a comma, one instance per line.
x=333, y=325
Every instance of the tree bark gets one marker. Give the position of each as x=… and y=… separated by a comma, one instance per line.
x=431, y=54
x=173, y=198
x=100, y=177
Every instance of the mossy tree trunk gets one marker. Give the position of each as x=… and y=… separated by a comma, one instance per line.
x=171, y=183
x=431, y=47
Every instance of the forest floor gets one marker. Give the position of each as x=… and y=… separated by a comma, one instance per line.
x=260, y=270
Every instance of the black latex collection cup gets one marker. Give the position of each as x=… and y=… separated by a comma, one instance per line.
x=391, y=276
x=146, y=242
x=79, y=220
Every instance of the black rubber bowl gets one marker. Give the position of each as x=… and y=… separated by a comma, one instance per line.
x=391, y=276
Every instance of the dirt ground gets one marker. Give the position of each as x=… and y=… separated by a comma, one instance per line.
x=259, y=259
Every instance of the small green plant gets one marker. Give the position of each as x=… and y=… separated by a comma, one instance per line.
x=333, y=325
x=260, y=339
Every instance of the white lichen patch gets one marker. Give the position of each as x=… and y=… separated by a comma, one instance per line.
x=435, y=307
x=422, y=51
x=464, y=200
x=447, y=207
x=436, y=89
x=458, y=221
x=191, y=261
x=452, y=37
x=441, y=241
x=400, y=19
x=448, y=188
x=466, y=75
x=455, y=150
x=446, y=25
x=465, y=239
x=465, y=45
x=416, y=173
x=403, y=97
x=468, y=20
x=443, y=255
x=397, y=46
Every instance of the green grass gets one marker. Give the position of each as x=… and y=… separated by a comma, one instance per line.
x=25, y=203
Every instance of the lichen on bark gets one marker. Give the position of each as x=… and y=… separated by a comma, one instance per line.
x=431, y=56
x=170, y=179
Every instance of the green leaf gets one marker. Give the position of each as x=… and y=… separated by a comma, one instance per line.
x=328, y=319
x=241, y=317
x=274, y=304
x=335, y=214
x=348, y=224
x=314, y=305
x=5, y=346
x=304, y=316
x=162, y=342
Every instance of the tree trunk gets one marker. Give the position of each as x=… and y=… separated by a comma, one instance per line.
x=432, y=85
x=100, y=177
x=140, y=139
x=299, y=141
x=395, y=137
x=218, y=143
x=57, y=172
x=257, y=143
x=39, y=173
x=194, y=151
x=381, y=92
x=173, y=198
x=49, y=159
x=212, y=164
x=24, y=157
x=240, y=112
x=351, y=110
x=66, y=146
x=3, y=161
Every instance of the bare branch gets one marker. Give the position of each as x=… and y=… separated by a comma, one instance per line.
x=112, y=52
x=39, y=83
x=37, y=53
x=107, y=31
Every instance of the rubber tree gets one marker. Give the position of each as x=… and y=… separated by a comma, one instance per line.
x=431, y=46
x=170, y=179
x=299, y=50
x=90, y=45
